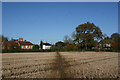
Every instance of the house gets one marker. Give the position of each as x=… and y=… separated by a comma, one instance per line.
x=105, y=43
x=26, y=44
x=46, y=45
x=14, y=44
x=10, y=45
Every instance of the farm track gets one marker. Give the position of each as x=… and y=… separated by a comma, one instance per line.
x=60, y=65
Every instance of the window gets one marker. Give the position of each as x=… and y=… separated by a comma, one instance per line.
x=26, y=46
x=22, y=47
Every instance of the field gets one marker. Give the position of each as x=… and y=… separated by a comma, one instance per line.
x=60, y=65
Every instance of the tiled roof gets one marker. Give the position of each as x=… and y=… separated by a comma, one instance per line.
x=10, y=43
x=16, y=43
x=25, y=43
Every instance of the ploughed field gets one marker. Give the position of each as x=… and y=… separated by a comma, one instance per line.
x=60, y=65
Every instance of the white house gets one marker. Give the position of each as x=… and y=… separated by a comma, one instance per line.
x=46, y=46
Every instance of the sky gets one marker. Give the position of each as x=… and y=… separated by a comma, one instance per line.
x=51, y=21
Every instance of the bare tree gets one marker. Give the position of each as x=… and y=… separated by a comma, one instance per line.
x=66, y=38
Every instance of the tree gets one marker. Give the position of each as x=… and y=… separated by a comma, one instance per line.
x=114, y=45
x=18, y=47
x=115, y=37
x=70, y=46
x=36, y=47
x=41, y=44
x=73, y=35
x=60, y=44
x=115, y=41
x=2, y=42
x=86, y=34
x=0, y=38
x=67, y=40
x=4, y=39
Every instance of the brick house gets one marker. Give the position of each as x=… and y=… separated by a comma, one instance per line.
x=9, y=44
x=17, y=43
x=26, y=44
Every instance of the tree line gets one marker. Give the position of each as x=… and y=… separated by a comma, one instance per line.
x=86, y=36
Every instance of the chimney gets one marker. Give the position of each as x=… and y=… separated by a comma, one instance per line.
x=46, y=41
x=25, y=40
x=20, y=39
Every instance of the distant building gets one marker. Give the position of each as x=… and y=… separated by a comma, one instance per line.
x=26, y=44
x=10, y=45
x=15, y=43
x=105, y=43
x=20, y=39
x=46, y=45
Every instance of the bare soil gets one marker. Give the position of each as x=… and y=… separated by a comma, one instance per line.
x=60, y=65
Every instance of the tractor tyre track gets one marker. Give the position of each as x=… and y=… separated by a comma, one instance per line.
x=61, y=66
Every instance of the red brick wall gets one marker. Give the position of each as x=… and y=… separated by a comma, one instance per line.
x=24, y=47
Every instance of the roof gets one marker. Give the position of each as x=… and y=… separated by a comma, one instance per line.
x=10, y=43
x=25, y=43
x=47, y=44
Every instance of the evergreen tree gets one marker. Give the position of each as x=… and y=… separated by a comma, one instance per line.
x=41, y=44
